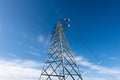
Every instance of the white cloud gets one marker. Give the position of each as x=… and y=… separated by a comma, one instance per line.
x=98, y=69
x=19, y=70
x=40, y=38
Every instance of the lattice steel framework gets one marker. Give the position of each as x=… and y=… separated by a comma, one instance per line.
x=60, y=63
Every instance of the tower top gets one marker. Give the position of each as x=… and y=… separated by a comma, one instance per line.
x=64, y=22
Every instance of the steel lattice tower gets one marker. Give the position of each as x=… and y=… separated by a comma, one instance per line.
x=60, y=63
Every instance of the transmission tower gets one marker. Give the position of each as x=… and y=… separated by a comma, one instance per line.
x=60, y=63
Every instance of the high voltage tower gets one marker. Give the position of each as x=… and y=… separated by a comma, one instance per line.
x=60, y=63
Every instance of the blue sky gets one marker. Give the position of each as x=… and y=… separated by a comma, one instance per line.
x=94, y=34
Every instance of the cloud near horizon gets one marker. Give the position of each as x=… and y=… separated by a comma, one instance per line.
x=18, y=69
x=96, y=70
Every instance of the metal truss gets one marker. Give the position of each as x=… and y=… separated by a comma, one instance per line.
x=60, y=63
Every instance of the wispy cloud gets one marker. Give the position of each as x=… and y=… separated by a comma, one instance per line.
x=13, y=55
x=33, y=51
x=40, y=38
x=44, y=43
x=114, y=58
